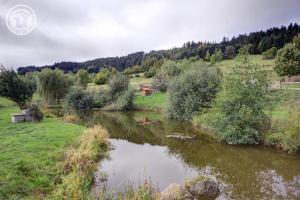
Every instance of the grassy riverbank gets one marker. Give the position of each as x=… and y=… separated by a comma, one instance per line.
x=32, y=155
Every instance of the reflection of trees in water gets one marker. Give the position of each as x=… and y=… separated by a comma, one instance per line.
x=273, y=186
x=241, y=168
x=236, y=166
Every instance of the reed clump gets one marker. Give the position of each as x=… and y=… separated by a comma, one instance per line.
x=80, y=162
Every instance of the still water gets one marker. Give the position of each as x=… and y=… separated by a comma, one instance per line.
x=143, y=152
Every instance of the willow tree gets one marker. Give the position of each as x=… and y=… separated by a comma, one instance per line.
x=52, y=85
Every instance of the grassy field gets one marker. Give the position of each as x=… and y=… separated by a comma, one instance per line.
x=137, y=81
x=30, y=154
x=156, y=101
x=6, y=103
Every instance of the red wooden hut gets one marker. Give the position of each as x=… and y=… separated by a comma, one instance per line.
x=145, y=90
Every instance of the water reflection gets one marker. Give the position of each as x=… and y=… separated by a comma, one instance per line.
x=142, y=150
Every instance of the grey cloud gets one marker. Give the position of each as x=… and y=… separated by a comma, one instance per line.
x=86, y=29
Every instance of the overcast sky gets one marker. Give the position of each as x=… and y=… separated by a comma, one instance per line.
x=78, y=30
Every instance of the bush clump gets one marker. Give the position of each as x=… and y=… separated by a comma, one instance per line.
x=239, y=115
x=123, y=102
x=77, y=100
x=193, y=91
x=167, y=71
x=35, y=112
x=101, y=77
x=287, y=62
x=118, y=84
x=150, y=73
x=270, y=54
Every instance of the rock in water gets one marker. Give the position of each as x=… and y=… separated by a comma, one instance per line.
x=181, y=136
x=203, y=187
x=172, y=192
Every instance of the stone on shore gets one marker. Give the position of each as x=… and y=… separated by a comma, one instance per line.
x=203, y=187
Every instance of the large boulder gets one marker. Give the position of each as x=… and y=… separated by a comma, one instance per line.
x=203, y=188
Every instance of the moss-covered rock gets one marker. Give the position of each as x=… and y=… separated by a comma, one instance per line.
x=203, y=187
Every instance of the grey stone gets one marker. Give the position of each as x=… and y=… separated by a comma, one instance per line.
x=203, y=188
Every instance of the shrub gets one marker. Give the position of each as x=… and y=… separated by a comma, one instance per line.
x=101, y=99
x=287, y=62
x=207, y=56
x=270, y=54
x=229, y=52
x=150, y=73
x=123, y=102
x=118, y=84
x=36, y=113
x=193, y=91
x=167, y=71
x=77, y=100
x=82, y=78
x=296, y=41
x=101, y=77
x=238, y=114
x=14, y=88
x=216, y=57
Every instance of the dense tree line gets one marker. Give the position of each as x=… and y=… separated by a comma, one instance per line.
x=259, y=42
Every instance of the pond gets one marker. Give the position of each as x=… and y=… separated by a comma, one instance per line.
x=143, y=152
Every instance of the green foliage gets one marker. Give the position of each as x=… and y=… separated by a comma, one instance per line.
x=193, y=91
x=101, y=99
x=14, y=88
x=101, y=77
x=82, y=78
x=219, y=55
x=287, y=62
x=133, y=70
x=270, y=54
x=53, y=85
x=238, y=114
x=287, y=139
x=167, y=71
x=216, y=57
x=118, y=84
x=123, y=102
x=207, y=56
x=149, y=62
x=77, y=100
x=264, y=44
x=229, y=52
x=150, y=73
x=36, y=113
x=296, y=42
x=213, y=59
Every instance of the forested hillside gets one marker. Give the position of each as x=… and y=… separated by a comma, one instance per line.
x=258, y=42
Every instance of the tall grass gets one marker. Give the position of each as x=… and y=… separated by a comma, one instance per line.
x=80, y=162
